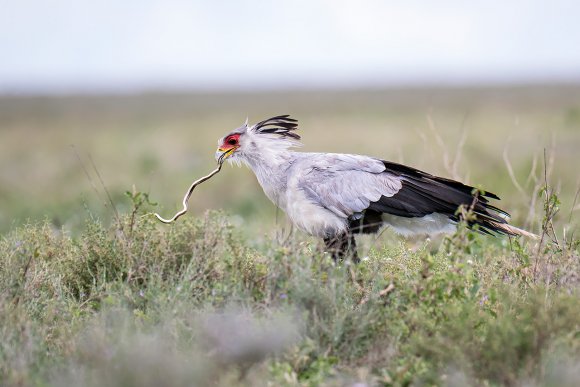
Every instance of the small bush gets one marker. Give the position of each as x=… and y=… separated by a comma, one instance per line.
x=140, y=303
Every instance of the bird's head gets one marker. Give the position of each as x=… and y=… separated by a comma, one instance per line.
x=247, y=142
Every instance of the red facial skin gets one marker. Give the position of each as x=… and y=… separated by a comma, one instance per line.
x=231, y=141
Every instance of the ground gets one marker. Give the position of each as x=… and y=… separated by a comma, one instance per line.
x=90, y=296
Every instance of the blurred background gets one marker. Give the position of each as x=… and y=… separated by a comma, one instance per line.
x=140, y=91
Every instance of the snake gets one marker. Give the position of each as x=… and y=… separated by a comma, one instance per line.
x=190, y=191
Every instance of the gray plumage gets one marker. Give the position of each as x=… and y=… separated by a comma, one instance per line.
x=333, y=196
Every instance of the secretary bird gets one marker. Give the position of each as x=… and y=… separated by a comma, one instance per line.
x=334, y=196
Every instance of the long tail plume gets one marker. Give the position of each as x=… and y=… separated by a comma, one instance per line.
x=514, y=231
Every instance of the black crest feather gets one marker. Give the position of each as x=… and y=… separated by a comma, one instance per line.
x=281, y=125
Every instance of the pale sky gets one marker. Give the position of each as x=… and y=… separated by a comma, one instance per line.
x=119, y=45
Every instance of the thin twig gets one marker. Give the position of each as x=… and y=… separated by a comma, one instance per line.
x=16, y=300
x=460, y=145
x=105, y=189
x=382, y=293
x=458, y=153
x=552, y=211
x=511, y=173
x=532, y=209
x=101, y=199
x=574, y=203
x=532, y=176
x=451, y=165
x=571, y=212
x=549, y=214
x=441, y=144
x=354, y=280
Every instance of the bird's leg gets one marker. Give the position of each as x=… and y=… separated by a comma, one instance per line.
x=352, y=249
x=341, y=245
x=335, y=246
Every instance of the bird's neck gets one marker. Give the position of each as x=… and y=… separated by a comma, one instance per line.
x=270, y=168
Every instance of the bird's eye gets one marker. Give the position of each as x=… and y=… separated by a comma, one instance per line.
x=233, y=141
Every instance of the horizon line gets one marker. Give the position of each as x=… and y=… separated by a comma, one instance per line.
x=273, y=89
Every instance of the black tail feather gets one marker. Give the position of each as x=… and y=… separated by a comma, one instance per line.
x=423, y=194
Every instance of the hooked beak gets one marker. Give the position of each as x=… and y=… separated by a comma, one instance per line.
x=222, y=154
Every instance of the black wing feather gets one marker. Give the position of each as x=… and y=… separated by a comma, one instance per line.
x=423, y=194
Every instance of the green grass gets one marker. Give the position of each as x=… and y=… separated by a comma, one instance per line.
x=193, y=304
x=228, y=298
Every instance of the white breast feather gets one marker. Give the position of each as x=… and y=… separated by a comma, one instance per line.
x=311, y=217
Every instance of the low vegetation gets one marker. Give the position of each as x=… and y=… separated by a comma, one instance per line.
x=194, y=303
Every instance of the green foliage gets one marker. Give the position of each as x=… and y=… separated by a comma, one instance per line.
x=140, y=303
